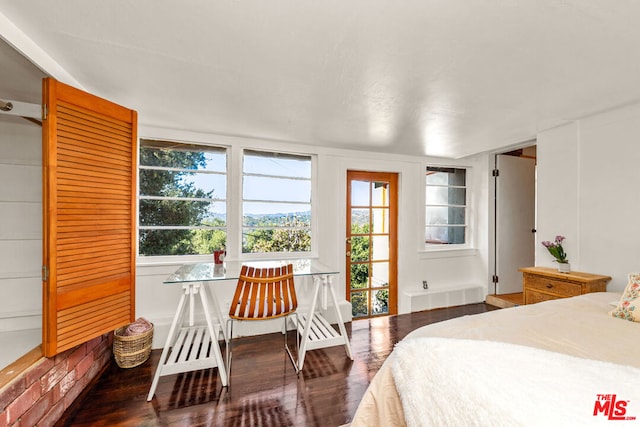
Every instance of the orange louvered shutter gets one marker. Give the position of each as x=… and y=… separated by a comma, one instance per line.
x=89, y=191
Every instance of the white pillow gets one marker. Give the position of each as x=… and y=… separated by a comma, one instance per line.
x=629, y=306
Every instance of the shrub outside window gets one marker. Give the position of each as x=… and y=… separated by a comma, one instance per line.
x=446, y=206
x=276, y=202
x=182, y=198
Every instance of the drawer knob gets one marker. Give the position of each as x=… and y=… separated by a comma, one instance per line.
x=549, y=286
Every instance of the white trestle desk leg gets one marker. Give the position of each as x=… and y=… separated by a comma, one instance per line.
x=324, y=292
x=190, y=361
x=217, y=312
x=343, y=330
x=214, y=334
x=324, y=335
x=165, y=351
x=307, y=327
x=192, y=290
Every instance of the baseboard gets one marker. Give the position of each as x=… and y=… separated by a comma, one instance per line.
x=427, y=299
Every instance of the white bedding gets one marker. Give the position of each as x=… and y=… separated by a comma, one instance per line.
x=579, y=326
x=505, y=385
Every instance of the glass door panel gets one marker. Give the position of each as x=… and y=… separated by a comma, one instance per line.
x=380, y=275
x=359, y=304
x=380, y=248
x=359, y=276
x=380, y=302
x=359, y=249
x=380, y=221
x=360, y=221
x=380, y=194
x=360, y=195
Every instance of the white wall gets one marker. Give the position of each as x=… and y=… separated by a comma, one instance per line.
x=443, y=270
x=21, y=221
x=588, y=184
x=20, y=229
x=20, y=237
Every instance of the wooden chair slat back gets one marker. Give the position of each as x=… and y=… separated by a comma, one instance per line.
x=264, y=293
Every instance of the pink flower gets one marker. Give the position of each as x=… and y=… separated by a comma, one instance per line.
x=555, y=249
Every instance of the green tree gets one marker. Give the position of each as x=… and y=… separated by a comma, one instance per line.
x=291, y=235
x=360, y=243
x=359, y=272
x=170, y=183
x=360, y=252
x=206, y=241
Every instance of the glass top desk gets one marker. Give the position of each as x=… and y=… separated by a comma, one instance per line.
x=209, y=272
x=315, y=331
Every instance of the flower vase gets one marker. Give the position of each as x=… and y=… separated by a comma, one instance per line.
x=564, y=267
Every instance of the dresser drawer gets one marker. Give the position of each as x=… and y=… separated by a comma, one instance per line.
x=532, y=297
x=551, y=285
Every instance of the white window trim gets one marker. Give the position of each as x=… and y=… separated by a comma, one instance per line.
x=450, y=250
x=160, y=260
x=234, y=192
x=239, y=162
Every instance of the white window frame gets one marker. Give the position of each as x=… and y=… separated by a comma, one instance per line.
x=432, y=247
x=177, y=259
x=240, y=206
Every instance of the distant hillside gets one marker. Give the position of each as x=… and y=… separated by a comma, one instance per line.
x=359, y=217
x=253, y=220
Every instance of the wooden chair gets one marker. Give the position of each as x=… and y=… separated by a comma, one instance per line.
x=263, y=294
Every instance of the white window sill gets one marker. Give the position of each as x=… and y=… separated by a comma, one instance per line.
x=437, y=253
x=177, y=260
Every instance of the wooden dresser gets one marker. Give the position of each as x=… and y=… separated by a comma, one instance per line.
x=544, y=283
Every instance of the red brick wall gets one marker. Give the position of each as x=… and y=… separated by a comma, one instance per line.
x=40, y=395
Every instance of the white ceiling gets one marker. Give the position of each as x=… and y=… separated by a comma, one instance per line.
x=421, y=77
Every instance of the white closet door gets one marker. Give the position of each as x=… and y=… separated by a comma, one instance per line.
x=515, y=215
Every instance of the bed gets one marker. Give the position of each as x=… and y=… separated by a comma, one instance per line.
x=561, y=362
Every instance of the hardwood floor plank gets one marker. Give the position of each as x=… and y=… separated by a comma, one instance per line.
x=264, y=389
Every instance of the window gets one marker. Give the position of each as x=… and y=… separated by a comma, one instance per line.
x=182, y=203
x=446, y=206
x=276, y=202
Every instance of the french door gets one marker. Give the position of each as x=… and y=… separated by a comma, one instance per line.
x=371, y=243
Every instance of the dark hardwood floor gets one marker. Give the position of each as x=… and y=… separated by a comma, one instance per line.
x=264, y=389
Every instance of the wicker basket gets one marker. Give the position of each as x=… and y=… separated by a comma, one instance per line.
x=131, y=350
